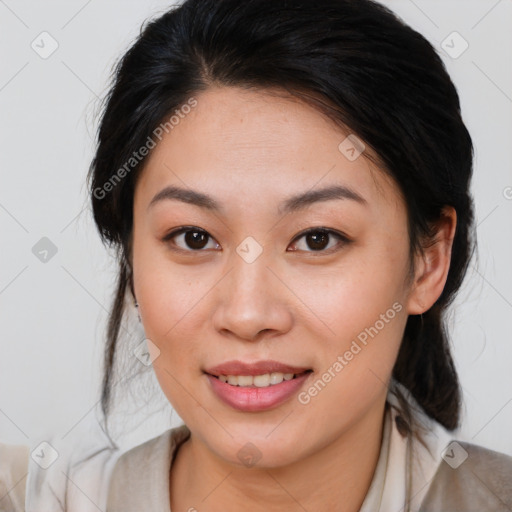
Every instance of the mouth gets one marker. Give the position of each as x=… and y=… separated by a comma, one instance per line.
x=259, y=392
x=262, y=380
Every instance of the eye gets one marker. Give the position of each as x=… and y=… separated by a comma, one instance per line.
x=193, y=238
x=319, y=239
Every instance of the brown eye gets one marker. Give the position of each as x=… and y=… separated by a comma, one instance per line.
x=318, y=240
x=196, y=239
x=188, y=238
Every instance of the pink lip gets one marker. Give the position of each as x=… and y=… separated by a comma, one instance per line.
x=254, y=399
x=256, y=368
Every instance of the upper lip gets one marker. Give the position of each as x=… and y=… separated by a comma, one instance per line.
x=256, y=368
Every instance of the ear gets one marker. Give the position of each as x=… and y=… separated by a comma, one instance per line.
x=431, y=267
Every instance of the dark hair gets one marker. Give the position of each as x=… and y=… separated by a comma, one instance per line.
x=353, y=60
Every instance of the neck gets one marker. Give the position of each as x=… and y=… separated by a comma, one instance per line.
x=339, y=473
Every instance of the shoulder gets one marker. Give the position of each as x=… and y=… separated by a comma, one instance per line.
x=470, y=477
x=13, y=477
x=70, y=472
x=143, y=455
x=153, y=453
x=450, y=474
x=141, y=474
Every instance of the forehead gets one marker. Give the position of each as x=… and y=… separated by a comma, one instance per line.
x=260, y=143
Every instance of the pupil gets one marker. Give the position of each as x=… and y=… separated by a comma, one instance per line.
x=195, y=239
x=317, y=240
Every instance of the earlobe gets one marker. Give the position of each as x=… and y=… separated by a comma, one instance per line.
x=433, y=264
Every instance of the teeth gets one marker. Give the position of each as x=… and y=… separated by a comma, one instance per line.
x=259, y=381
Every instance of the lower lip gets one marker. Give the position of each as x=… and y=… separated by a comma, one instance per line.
x=253, y=399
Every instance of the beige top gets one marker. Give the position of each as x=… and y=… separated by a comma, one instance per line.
x=13, y=477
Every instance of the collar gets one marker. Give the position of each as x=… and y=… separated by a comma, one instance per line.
x=409, y=458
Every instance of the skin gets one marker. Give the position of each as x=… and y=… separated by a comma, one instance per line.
x=251, y=150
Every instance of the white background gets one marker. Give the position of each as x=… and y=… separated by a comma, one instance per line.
x=53, y=314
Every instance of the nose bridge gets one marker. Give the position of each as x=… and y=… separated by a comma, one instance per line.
x=250, y=273
x=249, y=299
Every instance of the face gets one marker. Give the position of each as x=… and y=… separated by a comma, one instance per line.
x=238, y=278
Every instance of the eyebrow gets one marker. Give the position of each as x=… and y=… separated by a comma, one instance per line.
x=292, y=204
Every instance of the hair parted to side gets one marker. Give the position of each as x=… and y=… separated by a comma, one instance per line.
x=354, y=61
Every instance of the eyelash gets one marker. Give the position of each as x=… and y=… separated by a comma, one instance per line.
x=343, y=240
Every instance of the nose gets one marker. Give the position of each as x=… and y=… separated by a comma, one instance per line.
x=251, y=302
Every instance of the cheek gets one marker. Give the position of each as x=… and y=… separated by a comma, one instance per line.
x=357, y=311
x=171, y=300
x=171, y=304
x=349, y=297
x=356, y=334
x=166, y=291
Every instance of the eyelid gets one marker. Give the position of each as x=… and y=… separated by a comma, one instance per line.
x=180, y=230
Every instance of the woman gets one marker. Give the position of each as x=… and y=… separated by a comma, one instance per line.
x=287, y=186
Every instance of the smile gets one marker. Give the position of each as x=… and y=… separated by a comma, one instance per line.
x=259, y=381
x=255, y=393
